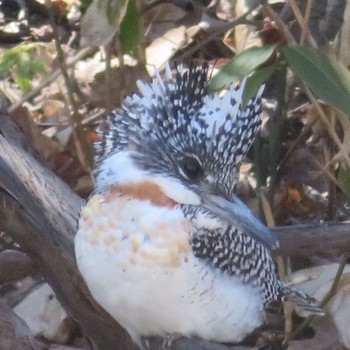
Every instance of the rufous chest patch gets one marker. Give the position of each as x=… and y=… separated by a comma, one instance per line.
x=138, y=223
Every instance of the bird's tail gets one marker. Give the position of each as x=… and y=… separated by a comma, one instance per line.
x=306, y=305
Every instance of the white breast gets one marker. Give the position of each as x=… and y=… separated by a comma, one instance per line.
x=137, y=261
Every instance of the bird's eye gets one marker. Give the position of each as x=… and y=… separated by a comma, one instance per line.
x=191, y=167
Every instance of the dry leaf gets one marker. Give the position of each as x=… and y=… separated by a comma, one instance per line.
x=96, y=29
x=44, y=315
x=317, y=281
x=161, y=49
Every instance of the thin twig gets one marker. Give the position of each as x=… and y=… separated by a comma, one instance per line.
x=270, y=220
x=51, y=78
x=308, y=92
x=298, y=141
x=329, y=174
x=81, y=145
x=278, y=118
x=62, y=61
x=122, y=69
x=302, y=23
x=329, y=150
x=238, y=21
x=108, y=76
x=324, y=118
x=306, y=21
x=332, y=291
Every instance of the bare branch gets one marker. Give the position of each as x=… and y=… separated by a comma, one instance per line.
x=323, y=239
x=14, y=265
x=41, y=213
x=51, y=78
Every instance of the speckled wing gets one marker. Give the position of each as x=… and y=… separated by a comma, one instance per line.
x=237, y=254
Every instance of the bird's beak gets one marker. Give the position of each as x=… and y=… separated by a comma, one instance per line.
x=236, y=213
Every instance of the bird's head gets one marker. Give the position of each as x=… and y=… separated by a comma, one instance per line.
x=186, y=141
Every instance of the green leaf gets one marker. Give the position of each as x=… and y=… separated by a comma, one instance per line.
x=24, y=84
x=240, y=66
x=255, y=81
x=129, y=31
x=324, y=75
x=7, y=61
x=20, y=61
x=38, y=67
x=25, y=63
x=24, y=73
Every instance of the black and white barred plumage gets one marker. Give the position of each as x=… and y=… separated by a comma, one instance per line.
x=179, y=116
x=175, y=117
x=237, y=254
x=163, y=244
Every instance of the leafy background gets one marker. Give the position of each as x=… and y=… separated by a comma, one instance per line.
x=65, y=63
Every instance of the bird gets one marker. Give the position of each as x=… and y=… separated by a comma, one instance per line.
x=164, y=244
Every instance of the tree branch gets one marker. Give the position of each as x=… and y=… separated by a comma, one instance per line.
x=41, y=212
x=322, y=239
x=14, y=265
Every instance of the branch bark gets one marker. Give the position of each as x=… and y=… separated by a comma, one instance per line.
x=323, y=239
x=41, y=212
x=14, y=265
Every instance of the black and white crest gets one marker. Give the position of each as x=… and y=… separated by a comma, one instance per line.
x=171, y=155
x=176, y=116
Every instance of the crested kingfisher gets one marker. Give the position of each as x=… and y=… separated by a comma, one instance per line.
x=164, y=244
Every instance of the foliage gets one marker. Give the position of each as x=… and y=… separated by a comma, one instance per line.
x=241, y=66
x=129, y=32
x=326, y=76
x=22, y=61
x=142, y=35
